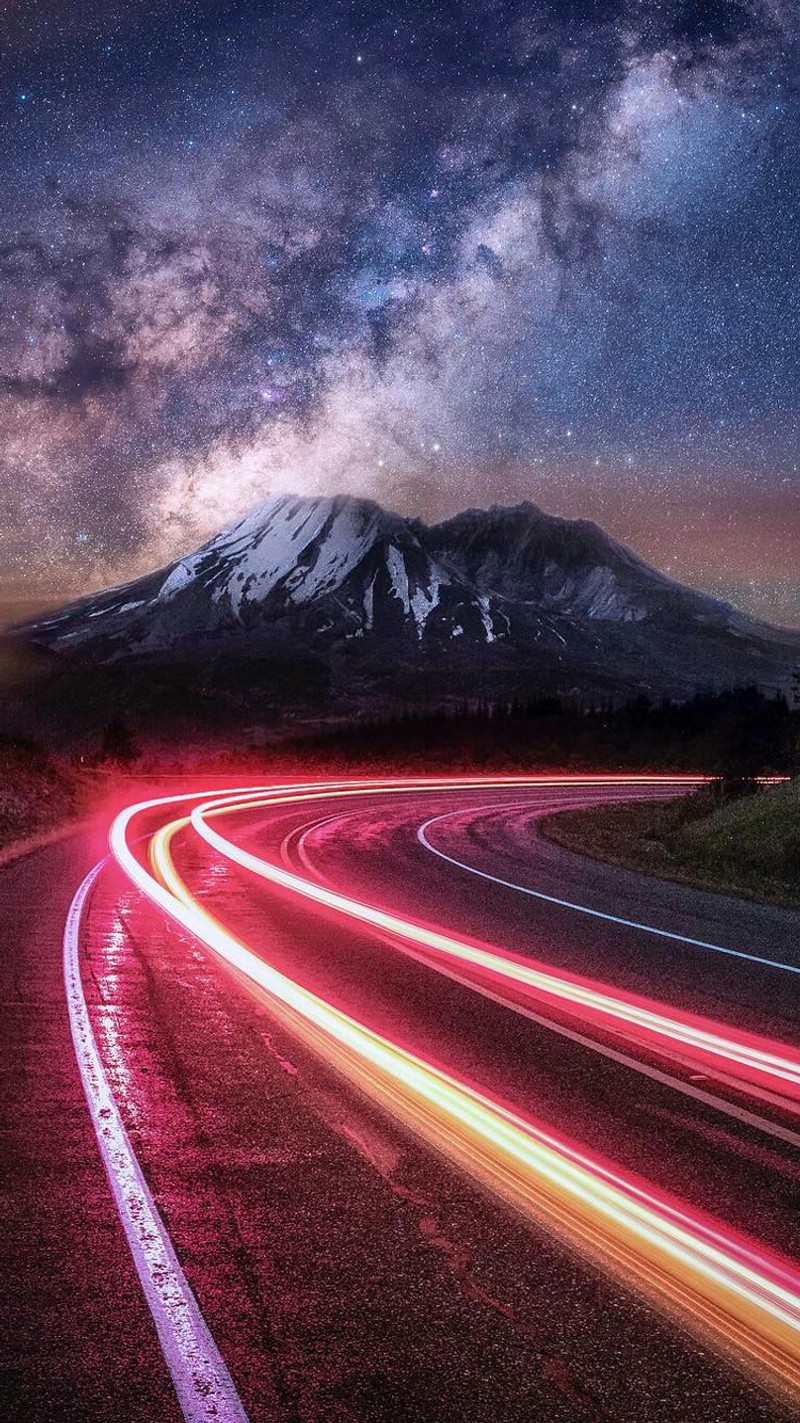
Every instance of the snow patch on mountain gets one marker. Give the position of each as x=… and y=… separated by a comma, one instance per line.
x=398, y=576
x=180, y=577
x=307, y=547
x=417, y=600
x=423, y=603
x=486, y=617
x=368, y=603
x=315, y=574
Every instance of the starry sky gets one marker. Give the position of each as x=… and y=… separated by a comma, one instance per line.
x=440, y=254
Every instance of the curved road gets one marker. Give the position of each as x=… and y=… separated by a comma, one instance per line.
x=351, y=1253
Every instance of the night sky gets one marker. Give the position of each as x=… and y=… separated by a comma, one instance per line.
x=439, y=254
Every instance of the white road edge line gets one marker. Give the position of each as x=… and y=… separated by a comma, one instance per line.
x=720, y=1104
x=202, y=1383
x=584, y=908
x=687, y=1089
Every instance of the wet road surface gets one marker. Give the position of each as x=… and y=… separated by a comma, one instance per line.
x=346, y=1270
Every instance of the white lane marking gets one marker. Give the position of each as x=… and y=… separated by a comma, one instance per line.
x=202, y=1383
x=422, y=836
x=687, y=1089
x=697, y=1093
x=300, y=833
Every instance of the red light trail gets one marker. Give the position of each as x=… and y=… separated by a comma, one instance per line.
x=746, y=1295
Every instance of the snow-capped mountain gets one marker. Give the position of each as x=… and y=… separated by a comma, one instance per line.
x=561, y=566
x=337, y=569
x=489, y=593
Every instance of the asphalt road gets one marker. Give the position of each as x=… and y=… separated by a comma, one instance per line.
x=345, y=1269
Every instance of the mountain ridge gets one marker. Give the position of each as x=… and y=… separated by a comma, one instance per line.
x=508, y=591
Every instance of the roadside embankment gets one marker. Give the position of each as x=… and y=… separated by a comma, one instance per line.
x=749, y=846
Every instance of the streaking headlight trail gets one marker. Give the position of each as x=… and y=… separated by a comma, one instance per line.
x=743, y=1057
x=748, y=1297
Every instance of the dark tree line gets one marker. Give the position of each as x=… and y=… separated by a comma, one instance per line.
x=737, y=735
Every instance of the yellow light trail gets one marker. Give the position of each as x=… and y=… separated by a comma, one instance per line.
x=745, y=1057
x=747, y=1296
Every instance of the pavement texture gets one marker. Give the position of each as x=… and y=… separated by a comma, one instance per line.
x=345, y=1271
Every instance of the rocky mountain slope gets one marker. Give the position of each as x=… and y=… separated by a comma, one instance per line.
x=499, y=599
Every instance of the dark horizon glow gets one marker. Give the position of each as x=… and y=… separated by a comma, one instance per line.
x=439, y=255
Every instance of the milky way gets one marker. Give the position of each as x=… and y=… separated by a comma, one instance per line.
x=438, y=254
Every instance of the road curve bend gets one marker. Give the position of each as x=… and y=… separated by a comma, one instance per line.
x=409, y=1113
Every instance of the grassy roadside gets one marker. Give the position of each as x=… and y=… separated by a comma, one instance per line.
x=749, y=847
x=37, y=794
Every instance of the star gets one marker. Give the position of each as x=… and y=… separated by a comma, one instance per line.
x=240, y=251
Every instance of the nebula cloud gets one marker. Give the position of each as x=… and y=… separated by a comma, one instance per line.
x=435, y=258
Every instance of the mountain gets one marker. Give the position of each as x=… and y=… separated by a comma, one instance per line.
x=504, y=600
x=328, y=570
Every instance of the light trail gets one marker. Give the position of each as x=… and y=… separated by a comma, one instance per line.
x=681, y=1085
x=746, y=1060
x=747, y=1296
